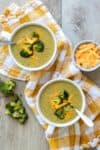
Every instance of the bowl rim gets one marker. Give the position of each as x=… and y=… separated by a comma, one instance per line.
x=73, y=56
x=51, y=122
x=49, y=61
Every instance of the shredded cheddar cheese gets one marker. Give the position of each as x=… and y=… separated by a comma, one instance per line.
x=87, y=55
x=61, y=105
x=57, y=106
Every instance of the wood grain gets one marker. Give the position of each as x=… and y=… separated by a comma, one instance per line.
x=80, y=20
x=55, y=7
x=14, y=136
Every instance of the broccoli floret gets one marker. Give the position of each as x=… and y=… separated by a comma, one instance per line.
x=7, y=87
x=39, y=46
x=57, y=100
x=10, y=84
x=16, y=114
x=16, y=110
x=8, y=112
x=34, y=34
x=60, y=113
x=23, y=118
x=67, y=108
x=22, y=111
x=13, y=104
x=64, y=95
x=9, y=109
x=25, y=54
x=18, y=105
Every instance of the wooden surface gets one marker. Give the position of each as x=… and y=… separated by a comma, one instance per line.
x=79, y=20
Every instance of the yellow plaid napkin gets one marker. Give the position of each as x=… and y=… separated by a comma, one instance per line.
x=75, y=137
x=78, y=136
x=14, y=16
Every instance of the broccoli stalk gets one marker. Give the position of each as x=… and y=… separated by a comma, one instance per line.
x=7, y=87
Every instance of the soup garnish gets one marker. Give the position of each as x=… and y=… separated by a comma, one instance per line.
x=61, y=104
x=30, y=44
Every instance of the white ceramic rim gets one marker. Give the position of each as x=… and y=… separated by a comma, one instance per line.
x=73, y=56
x=46, y=64
x=60, y=124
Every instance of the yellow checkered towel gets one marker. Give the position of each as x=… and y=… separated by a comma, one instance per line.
x=75, y=137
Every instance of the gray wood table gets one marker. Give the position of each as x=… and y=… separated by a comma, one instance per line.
x=80, y=20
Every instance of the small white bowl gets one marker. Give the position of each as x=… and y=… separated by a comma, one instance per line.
x=49, y=61
x=53, y=124
x=73, y=57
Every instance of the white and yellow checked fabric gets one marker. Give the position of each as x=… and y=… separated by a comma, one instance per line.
x=12, y=17
x=77, y=136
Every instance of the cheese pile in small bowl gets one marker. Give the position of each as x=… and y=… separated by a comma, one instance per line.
x=86, y=56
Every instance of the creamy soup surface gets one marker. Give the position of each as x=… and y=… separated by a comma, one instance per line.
x=47, y=96
x=39, y=58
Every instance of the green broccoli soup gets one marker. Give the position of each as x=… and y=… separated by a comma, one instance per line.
x=57, y=101
x=35, y=46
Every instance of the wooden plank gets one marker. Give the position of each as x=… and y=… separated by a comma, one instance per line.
x=14, y=136
x=81, y=21
x=55, y=9
x=30, y=136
